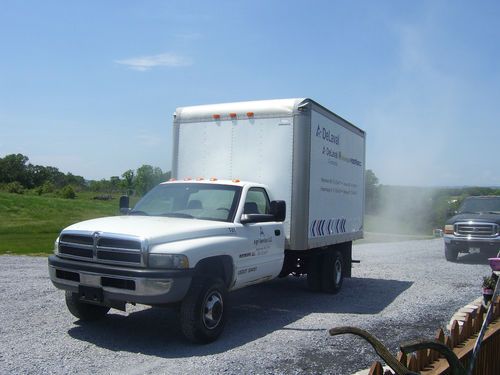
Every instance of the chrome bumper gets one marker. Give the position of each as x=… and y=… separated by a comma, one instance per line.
x=121, y=284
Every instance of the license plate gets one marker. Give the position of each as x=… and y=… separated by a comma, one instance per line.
x=90, y=293
x=474, y=250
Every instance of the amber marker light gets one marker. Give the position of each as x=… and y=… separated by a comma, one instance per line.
x=236, y=180
x=216, y=117
x=188, y=179
x=172, y=179
x=250, y=114
x=199, y=179
x=232, y=115
x=213, y=179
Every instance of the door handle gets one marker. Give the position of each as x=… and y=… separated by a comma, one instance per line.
x=277, y=232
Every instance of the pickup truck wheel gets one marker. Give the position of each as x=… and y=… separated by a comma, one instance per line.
x=450, y=254
x=204, y=310
x=84, y=311
x=314, y=273
x=332, y=272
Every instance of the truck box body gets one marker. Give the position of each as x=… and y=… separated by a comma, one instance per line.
x=307, y=156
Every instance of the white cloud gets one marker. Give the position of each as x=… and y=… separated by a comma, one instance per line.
x=144, y=63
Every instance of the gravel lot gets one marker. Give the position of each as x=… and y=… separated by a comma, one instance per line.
x=400, y=291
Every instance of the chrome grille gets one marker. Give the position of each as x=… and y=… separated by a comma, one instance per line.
x=101, y=248
x=476, y=229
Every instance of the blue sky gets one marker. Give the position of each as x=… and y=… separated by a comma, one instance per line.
x=90, y=86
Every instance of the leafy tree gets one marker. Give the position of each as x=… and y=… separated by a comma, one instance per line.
x=371, y=191
x=128, y=181
x=145, y=179
x=14, y=167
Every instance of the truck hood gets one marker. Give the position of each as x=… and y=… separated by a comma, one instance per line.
x=489, y=218
x=153, y=228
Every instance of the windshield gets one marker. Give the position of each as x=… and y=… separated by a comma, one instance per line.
x=191, y=201
x=476, y=205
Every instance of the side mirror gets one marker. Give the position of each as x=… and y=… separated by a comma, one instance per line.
x=124, y=203
x=278, y=210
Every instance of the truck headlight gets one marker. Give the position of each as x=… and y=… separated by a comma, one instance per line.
x=448, y=229
x=178, y=261
x=56, y=246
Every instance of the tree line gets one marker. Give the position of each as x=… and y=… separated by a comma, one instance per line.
x=17, y=175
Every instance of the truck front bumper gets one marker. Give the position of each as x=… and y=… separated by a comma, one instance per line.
x=121, y=284
x=465, y=244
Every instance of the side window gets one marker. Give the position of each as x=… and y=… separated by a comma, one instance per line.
x=257, y=202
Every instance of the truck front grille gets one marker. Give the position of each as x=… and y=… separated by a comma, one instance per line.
x=476, y=229
x=101, y=248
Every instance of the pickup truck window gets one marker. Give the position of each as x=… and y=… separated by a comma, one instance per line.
x=191, y=201
x=257, y=202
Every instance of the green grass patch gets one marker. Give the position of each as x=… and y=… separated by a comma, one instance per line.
x=29, y=224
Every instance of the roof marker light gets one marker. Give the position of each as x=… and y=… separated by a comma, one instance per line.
x=250, y=114
x=216, y=117
x=213, y=179
x=232, y=115
x=172, y=179
x=188, y=179
x=236, y=181
x=199, y=179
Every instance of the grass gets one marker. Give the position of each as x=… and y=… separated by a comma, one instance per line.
x=29, y=224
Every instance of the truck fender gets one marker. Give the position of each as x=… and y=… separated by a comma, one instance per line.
x=220, y=266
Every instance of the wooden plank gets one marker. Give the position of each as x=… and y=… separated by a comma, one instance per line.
x=401, y=357
x=455, y=334
x=376, y=369
x=412, y=364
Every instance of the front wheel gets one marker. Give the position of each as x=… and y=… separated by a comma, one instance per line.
x=84, y=311
x=332, y=272
x=450, y=254
x=203, y=311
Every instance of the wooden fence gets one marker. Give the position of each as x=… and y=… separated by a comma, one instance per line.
x=461, y=340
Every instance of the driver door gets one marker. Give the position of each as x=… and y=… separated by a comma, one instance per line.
x=263, y=256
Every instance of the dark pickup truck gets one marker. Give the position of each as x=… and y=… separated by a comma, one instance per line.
x=475, y=228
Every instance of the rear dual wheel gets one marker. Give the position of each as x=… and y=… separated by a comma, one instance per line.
x=326, y=272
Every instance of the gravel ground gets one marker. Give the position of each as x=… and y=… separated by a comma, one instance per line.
x=400, y=291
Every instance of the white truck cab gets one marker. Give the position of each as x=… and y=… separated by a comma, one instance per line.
x=190, y=240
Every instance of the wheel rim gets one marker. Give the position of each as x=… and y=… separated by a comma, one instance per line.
x=212, y=310
x=338, y=271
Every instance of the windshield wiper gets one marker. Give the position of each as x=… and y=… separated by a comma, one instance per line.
x=177, y=214
x=493, y=212
x=142, y=213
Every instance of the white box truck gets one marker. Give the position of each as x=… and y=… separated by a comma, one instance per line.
x=260, y=190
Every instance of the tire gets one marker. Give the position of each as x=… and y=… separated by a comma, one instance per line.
x=450, y=254
x=203, y=311
x=314, y=273
x=332, y=272
x=84, y=311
